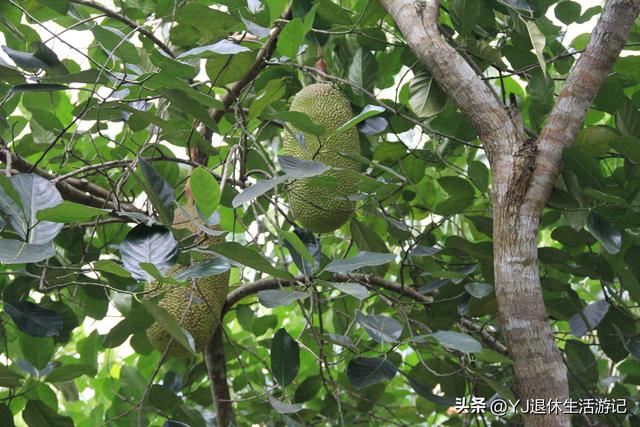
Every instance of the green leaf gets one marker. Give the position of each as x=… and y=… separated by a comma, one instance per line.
x=69, y=212
x=365, y=371
x=628, y=146
x=581, y=361
x=33, y=319
x=479, y=174
x=70, y=372
x=225, y=69
x=18, y=252
x=465, y=14
x=284, y=408
x=360, y=260
x=162, y=398
x=6, y=417
x=426, y=98
x=154, y=245
x=584, y=166
x=36, y=193
x=115, y=43
x=273, y=91
x=538, y=41
x=256, y=190
x=223, y=47
x=170, y=325
x=608, y=236
x=37, y=87
x=457, y=341
x=296, y=168
x=285, y=357
x=300, y=121
x=478, y=289
x=356, y=290
x=206, y=268
x=367, y=111
x=159, y=191
x=272, y=298
x=628, y=119
x=589, y=318
x=205, y=190
x=595, y=140
x=251, y=258
x=363, y=69
x=291, y=38
x=9, y=378
x=453, y=205
x=456, y=186
x=293, y=239
x=567, y=11
x=38, y=414
x=188, y=105
x=112, y=267
x=380, y=328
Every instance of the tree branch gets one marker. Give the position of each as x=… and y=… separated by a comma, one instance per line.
x=582, y=86
x=76, y=190
x=249, y=289
x=489, y=117
x=127, y=21
x=232, y=94
x=217, y=369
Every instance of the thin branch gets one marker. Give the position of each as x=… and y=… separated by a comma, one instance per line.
x=76, y=190
x=127, y=21
x=249, y=289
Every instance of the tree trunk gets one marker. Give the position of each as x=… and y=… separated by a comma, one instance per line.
x=217, y=369
x=537, y=362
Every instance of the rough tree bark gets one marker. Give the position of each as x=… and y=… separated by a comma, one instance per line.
x=524, y=173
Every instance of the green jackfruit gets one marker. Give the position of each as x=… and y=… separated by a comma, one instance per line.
x=318, y=208
x=197, y=306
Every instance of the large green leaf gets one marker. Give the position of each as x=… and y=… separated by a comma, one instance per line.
x=249, y=257
x=285, y=357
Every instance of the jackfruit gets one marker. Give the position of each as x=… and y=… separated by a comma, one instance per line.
x=318, y=208
x=197, y=307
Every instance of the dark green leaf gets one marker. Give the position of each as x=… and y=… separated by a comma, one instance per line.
x=33, y=319
x=364, y=371
x=9, y=378
x=608, y=236
x=380, y=328
x=154, y=245
x=38, y=414
x=160, y=193
x=457, y=341
x=203, y=269
x=285, y=357
x=251, y=258
x=272, y=298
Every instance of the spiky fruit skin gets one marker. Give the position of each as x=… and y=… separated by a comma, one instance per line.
x=320, y=209
x=197, y=306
